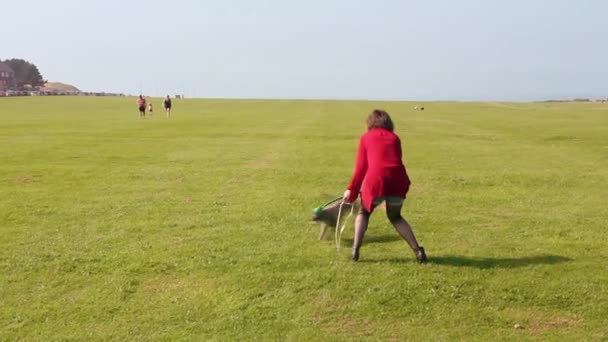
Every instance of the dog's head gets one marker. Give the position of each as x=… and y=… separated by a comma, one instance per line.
x=329, y=213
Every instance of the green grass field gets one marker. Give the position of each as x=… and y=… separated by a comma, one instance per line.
x=197, y=227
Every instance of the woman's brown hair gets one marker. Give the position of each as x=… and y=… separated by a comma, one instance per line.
x=380, y=119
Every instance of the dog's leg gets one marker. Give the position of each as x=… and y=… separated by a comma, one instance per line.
x=323, y=231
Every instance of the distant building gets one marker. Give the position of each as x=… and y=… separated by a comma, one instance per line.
x=7, y=77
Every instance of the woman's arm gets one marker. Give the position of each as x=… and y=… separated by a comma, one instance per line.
x=359, y=172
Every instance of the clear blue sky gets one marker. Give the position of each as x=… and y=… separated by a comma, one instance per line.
x=360, y=49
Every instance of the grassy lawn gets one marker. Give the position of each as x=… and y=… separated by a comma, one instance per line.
x=196, y=227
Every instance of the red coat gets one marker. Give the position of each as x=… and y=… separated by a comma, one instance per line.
x=379, y=170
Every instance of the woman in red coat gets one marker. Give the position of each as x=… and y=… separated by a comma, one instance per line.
x=379, y=176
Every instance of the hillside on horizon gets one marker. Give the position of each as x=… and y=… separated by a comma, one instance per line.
x=60, y=87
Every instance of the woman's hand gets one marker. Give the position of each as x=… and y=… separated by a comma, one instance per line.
x=346, y=196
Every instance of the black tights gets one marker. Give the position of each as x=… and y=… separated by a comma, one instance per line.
x=393, y=212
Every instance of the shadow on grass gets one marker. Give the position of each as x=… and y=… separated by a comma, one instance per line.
x=484, y=263
x=481, y=263
x=375, y=239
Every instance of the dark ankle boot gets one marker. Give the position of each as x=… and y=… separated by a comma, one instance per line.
x=421, y=256
x=355, y=254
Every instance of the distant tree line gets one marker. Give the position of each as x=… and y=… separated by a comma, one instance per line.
x=26, y=74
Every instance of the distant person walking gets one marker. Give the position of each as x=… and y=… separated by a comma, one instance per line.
x=167, y=105
x=141, y=103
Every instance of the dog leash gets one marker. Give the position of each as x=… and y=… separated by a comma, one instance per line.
x=318, y=210
x=340, y=230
